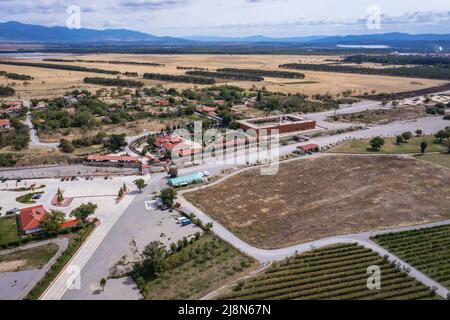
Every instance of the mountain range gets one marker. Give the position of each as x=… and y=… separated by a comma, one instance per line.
x=18, y=32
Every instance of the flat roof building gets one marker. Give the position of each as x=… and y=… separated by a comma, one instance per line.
x=284, y=124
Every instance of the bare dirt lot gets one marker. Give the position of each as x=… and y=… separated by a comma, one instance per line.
x=327, y=196
x=50, y=82
x=382, y=116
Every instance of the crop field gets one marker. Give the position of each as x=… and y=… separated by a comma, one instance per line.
x=427, y=250
x=310, y=199
x=334, y=273
x=47, y=82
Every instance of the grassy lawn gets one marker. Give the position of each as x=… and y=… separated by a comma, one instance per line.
x=442, y=159
x=34, y=258
x=390, y=146
x=27, y=198
x=198, y=269
x=8, y=230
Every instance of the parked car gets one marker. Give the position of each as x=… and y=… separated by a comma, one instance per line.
x=206, y=174
x=37, y=197
x=186, y=222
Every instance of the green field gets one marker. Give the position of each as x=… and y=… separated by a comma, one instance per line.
x=427, y=250
x=34, y=258
x=197, y=269
x=390, y=146
x=442, y=159
x=334, y=273
x=8, y=230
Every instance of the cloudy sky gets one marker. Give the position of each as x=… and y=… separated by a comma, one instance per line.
x=277, y=18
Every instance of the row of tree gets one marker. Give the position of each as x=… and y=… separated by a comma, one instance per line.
x=16, y=76
x=179, y=78
x=6, y=91
x=114, y=82
x=264, y=73
x=226, y=75
x=398, y=60
x=58, y=67
x=427, y=72
x=135, y=63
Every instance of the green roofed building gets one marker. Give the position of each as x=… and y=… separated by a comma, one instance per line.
x=186, y=180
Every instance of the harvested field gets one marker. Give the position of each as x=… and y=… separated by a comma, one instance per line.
x=333, y=273
x=327, y=196
x=48, y=82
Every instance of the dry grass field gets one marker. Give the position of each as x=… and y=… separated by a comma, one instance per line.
x=50, y=82
x=327, y=196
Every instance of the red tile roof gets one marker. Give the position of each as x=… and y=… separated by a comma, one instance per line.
x=69, y=224
x=308, y=147
x=4, y=122
x=112, y=158
x=30, y=218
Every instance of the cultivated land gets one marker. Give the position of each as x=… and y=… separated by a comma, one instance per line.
x=49, y=82
x=327, y=196
x=390, y=146
x=427, y=250
x=198, y=269
x=333, y=273
x=29, y=259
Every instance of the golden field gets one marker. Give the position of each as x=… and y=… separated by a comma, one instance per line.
x=49, y=83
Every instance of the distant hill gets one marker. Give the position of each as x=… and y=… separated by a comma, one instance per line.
x=19, y=32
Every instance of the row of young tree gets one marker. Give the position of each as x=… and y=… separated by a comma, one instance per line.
x=427, y=72
x=179, y=78
x=264, y=73
x=114, y=82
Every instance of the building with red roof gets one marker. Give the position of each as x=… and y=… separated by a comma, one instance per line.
x=30, y=220
x=306, y=148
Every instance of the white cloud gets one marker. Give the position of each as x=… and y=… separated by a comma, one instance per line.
x=236, y=17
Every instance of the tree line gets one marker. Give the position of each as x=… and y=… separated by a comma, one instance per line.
x=58, y=67
x=152, y=64
x=427, y=72
x=16, y=76
x=226, y=75
x=397, y=60
x=114, y=82
x=179, y=78
x=264, y=73
x=6, y=91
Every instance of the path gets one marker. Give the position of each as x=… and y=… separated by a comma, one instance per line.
x=34, y=138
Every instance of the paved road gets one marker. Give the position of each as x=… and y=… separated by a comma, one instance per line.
x=18, y=284
x=34, y=138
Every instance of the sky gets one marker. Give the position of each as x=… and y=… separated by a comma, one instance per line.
x=238, y=18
